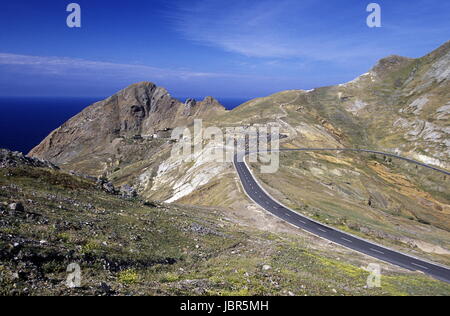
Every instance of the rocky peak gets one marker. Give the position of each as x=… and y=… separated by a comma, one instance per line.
x=209, y=104
x=390, y=64
x=138, y=110
x=188, y=106
x=211, y=101
x=136, y=90
x=190, y=102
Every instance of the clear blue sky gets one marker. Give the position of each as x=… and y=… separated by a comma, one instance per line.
x=223, y=48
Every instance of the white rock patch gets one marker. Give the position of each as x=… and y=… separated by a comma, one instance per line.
x=195, y=168
x=190, y=183
x=443, y=112
x=416, y=106
x=357, y=106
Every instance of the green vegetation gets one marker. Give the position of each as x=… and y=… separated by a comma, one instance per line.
x=128, y=277
x=388, y=201
x=127, y=247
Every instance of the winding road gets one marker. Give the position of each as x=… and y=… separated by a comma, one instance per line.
x=257, y=193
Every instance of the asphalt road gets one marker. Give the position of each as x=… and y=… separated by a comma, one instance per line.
x=259, y=196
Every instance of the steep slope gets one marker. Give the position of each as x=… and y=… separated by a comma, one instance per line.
x=92, y=138
x=404, y=103
x=388, y=201
x=401, y=105
x=125, y=246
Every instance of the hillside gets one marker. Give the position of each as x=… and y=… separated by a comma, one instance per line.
x=401, y=105
x=100, y=132
x=125, y=246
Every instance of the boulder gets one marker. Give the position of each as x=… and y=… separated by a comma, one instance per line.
x=266, y=267
x=109, y=187
x=127, y=191
x=17, y=207
x=14, y=159
x=106, y=186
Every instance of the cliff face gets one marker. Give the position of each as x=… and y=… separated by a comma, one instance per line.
x=141, y=109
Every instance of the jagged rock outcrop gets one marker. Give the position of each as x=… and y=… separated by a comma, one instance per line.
x=14, y=159
x=208, y=106
x=188, y=105
x=140, y=109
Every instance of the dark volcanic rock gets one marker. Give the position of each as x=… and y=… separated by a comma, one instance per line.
x=188, y=105
x=18, y=207
x=106, y=186
x=14, y=159
x=127, y=191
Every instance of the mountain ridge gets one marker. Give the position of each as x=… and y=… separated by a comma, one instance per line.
x=140, y=109
x=400, y=106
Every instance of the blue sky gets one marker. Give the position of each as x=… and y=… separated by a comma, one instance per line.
x=223, y=48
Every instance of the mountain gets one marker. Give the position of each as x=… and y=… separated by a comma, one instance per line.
x=139, y=110
x=401, y=106
x=405, y=104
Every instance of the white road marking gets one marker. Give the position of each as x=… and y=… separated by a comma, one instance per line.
x=418, y=265
x=377, y=251
x=244, y=170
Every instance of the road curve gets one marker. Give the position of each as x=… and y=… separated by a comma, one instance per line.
x=267, y=202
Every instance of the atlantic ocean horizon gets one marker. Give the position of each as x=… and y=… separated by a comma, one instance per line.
x=26, y=121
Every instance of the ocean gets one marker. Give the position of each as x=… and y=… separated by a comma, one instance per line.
x=25, y=122
x=228, y=103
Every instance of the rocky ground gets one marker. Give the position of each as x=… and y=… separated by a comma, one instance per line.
x=10, y=159
x=126, y=246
